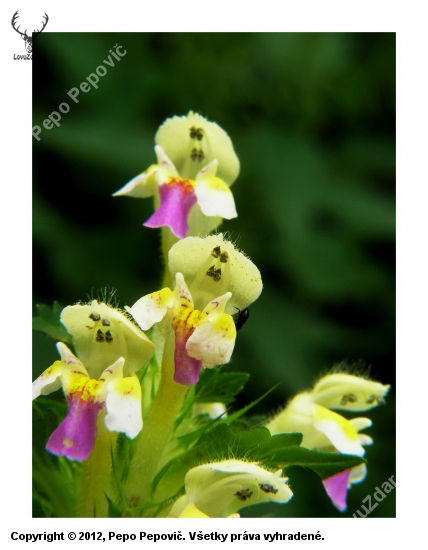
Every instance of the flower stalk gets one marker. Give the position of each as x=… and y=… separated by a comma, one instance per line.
x=96, y=475
x=157, y=430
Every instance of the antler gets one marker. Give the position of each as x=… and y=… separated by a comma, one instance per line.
x=44, y=24
x=14, y=18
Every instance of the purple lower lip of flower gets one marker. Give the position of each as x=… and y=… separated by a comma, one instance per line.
x=75, y=436
x=337, y=487
x=177, y=199
x=187, y=369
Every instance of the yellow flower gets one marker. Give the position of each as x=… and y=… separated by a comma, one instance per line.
x=192, y=512
x=202, y=338
x=220, y=489
x=102, y=333
x=213, y=266
x=196, y=165
x=179, y=136
x=86, y=397
x=325, y=430
x=221, y=282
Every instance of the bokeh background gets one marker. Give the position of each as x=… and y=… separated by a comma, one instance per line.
x=312, y=119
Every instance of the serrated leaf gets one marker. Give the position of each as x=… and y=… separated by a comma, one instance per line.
x=279, y=442
x=215, y=443
x=47, y=321
x=215, y=386
x=325, y=464
x=253, y=445
x=219, y=443
x=238, y=414
x=192, y=436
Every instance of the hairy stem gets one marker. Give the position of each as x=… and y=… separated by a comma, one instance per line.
x=156, y=431
x=96, y=475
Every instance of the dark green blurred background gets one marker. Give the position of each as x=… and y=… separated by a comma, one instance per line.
x=312, y=119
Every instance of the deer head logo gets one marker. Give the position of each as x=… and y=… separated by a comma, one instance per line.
x=28, y=39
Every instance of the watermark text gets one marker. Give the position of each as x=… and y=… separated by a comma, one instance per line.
x=91, y=81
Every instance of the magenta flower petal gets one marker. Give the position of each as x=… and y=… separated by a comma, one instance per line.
x=187, y=369
x=337, y=487
x=75, y=436
x=177, y=198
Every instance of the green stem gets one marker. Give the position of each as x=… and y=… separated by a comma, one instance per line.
x=96, y=475
x=168, y=240
x=156, y=431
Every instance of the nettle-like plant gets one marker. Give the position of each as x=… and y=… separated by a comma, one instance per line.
x=146, y=432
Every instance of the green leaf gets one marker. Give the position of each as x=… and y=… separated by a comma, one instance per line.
x=325, y=464
x=215, y=386
x=47, y=415
x=149, y=377
x=278, y=443
x=202, y=423
x=252, y=445
x=222, y=442
x=55, y=485
x=55, y=478
x=113, y=510
x=47, y=321
x=238, y=414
